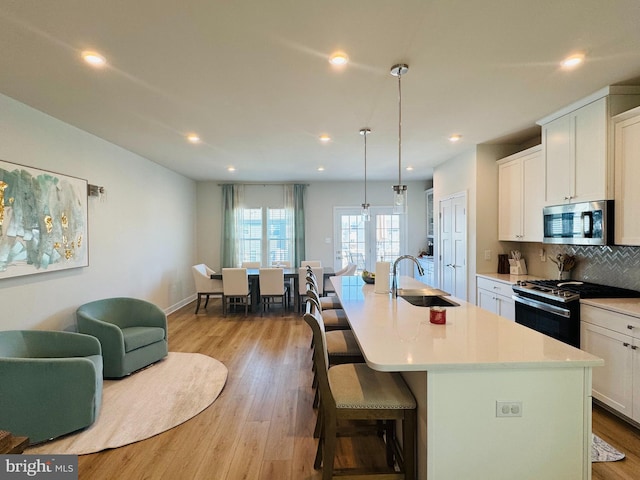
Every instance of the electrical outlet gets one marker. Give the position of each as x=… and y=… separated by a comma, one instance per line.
x=487, y=254
x=543, y=255
x=508, y=409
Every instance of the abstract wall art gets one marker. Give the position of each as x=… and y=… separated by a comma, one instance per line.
x=43, y=221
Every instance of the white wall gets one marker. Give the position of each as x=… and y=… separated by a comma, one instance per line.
x=474, y=172
x=320, y=200
x=141, y=236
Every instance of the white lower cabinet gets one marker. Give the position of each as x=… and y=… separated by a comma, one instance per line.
x=495, y=297
x=427, y=265
x=614, y=337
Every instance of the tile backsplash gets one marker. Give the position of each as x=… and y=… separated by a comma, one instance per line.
x=614, y=265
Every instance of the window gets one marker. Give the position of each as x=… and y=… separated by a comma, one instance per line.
x=250, y=226
x=265, y=235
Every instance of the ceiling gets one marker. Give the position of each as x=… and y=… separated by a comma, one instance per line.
x=252, y=78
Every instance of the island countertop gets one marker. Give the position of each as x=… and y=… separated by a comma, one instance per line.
x=397, y=336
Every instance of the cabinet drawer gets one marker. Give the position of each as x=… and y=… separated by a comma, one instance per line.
x=618, y=322
x=495, y=287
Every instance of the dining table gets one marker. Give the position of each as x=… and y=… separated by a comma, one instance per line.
x=289, y=273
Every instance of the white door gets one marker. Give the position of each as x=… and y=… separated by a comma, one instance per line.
x=383, y=238
x=452, y=264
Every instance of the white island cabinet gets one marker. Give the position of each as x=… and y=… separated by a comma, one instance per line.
x=461, y=372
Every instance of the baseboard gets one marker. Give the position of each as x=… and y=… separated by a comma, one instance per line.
x=616, y=413
x=177, y=306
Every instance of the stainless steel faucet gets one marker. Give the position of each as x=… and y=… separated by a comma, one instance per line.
x=394, y=282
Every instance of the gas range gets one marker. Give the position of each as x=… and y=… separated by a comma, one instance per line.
x=566, y=291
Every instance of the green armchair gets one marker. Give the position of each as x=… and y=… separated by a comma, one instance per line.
x=132, y=332
x=51, y=383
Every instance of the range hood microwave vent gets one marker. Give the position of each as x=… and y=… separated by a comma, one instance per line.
x=588, y=223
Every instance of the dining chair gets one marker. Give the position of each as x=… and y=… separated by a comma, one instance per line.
x=318, y=272
x=273, y=287
x=348, y=270
x=251, y=265
x=235, y=283
x=289, y=282
x=356, y=392
x=205, y=285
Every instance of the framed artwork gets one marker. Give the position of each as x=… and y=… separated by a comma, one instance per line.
x=43, y=221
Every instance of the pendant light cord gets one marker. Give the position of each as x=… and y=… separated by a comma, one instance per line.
x=399, y=129
x=365, y=166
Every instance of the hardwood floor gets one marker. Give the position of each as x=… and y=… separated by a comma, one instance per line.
x=261, y=426
x=623, y=437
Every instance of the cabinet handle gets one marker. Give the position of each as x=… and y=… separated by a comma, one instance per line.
x=634, y=347
x=625, y=344
x=495, y=287
x=630, y=327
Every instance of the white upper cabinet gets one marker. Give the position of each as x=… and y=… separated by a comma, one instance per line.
x=577, y=147
x=521, y=196
x=627, y=173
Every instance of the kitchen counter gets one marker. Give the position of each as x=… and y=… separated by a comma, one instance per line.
x=464, y=372
x=397, y=336
x=507, y=278
x=626, y=306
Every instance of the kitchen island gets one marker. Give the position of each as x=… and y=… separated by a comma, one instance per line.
x=464, y=372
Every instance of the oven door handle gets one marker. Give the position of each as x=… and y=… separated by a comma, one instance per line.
x=562, y=312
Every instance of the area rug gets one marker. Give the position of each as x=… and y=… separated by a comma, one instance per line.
x=601, y=451
x=146, y=403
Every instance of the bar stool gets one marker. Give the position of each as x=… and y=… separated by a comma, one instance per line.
x=334, y=319
x=303, y=273
x=327, y=303
x=356, y=392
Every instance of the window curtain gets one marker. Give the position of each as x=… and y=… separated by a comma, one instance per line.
x=294, y=203
x=232, y=198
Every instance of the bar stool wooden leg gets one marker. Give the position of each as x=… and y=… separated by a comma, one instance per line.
x=409, y=429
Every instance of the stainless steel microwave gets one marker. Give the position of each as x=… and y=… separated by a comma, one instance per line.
x=588, y=223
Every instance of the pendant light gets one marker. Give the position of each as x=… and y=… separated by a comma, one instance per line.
x=366, y=216
x=399, y=190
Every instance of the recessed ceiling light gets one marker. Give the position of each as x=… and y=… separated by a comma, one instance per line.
x=409, y=169
x=193, y=138
x=324, y=138
x=231, y=169
x=321, y=169
x=572, y=61
x=94, y=59
x=455, y=137
x=338, y=59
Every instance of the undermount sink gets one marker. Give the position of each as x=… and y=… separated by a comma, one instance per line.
x=428, y=301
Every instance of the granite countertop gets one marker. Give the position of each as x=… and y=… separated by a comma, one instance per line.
x=626, y=306
x=395, y=335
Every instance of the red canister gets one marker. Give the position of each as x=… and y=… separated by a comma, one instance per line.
x=438, y=315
